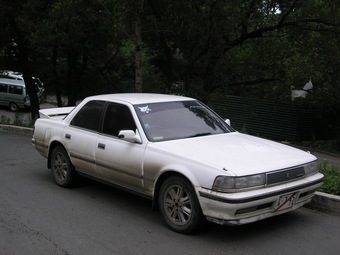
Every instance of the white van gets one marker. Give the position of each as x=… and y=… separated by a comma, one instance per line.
x=39, y=86
x=13, y=94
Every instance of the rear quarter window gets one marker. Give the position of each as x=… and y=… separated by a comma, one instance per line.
x=89, y=116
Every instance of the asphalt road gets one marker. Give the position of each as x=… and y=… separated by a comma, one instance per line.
x=38, y=217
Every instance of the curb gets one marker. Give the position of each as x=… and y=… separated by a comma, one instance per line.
x=321, y=201
x=325, y=202
x=17, y=130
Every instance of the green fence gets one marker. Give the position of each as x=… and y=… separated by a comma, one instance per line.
x=267, y=119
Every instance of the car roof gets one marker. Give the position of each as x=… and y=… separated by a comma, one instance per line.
x=12, y=81
x=140, y=98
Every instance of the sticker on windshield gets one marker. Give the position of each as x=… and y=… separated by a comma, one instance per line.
x=145, y=109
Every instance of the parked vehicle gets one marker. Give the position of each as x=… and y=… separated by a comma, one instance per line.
x=18, y=76
x=179, y=153
x=13, y=94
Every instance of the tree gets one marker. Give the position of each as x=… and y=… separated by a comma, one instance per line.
x=83, y=40
x=222, y=42
x=138, y=45
x=204, y=49
x=16, y=13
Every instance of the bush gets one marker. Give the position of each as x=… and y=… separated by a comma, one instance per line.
x=17, y=121
x=331, y=183
x=5, y=120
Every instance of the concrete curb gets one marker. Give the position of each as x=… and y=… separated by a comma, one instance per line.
x=17, y=130
x=325, y=202
x=321, y=201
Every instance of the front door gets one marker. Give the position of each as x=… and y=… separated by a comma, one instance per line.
x=118, y=161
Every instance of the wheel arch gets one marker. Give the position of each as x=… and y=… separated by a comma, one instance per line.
x=160, y=180
x=53, y=145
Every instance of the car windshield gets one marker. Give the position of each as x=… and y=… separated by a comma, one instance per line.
x=178, y=120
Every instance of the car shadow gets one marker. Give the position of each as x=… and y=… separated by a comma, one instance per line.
x=133, y=206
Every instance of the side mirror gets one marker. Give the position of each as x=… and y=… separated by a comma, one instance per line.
x=228, y=122
x=130, y=136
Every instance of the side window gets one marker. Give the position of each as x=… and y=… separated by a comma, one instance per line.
x=3, y=87
x=89, y=116
x=118, y=117
x=15, y=90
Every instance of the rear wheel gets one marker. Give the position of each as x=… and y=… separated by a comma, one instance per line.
x=13, y=107
x=179, y=205
x=62, y=169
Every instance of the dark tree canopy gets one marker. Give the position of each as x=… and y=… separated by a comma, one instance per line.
x=205, y=49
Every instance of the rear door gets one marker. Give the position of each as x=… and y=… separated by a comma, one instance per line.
x=81, y=136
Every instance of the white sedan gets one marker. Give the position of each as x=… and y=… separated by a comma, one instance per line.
x=179, y=153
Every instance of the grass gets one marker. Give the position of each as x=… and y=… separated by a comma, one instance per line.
x=332, y=146
x=5, y=120
x=331, y=183
x=18, y=120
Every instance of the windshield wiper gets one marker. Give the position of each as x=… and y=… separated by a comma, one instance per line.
x=198, y=134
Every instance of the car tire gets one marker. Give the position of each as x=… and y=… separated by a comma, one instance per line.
x=13, y=107
x=62, y=169
x=179, y=205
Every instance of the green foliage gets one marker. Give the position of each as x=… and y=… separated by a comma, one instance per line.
x=212, y=48
x=332, y=178
x=244, y=130
x=17, y=121
x=332, y=146
x=5, y=120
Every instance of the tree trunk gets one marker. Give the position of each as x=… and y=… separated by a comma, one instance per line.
x=168, y=73
x=138, y=48
x=71, y=80
x=55, y=77
x=29, y=84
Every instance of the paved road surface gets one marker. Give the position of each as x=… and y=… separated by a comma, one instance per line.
x=38, y=217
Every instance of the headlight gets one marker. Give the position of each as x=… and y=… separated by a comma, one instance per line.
x=234, y=184
x=311, y=168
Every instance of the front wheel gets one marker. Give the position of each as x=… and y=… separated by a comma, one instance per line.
x=62, y=169
x=179, y=205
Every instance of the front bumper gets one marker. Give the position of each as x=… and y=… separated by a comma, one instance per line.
x=33, y=143
x=250, y=206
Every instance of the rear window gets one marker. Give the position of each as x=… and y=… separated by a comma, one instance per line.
x=89, y=116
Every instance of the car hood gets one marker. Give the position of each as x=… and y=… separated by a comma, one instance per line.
x=235, y=152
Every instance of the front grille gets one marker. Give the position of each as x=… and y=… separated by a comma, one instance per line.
x=286, y=175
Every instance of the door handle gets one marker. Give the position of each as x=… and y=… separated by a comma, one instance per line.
x=101, y=146
x=68, y=136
